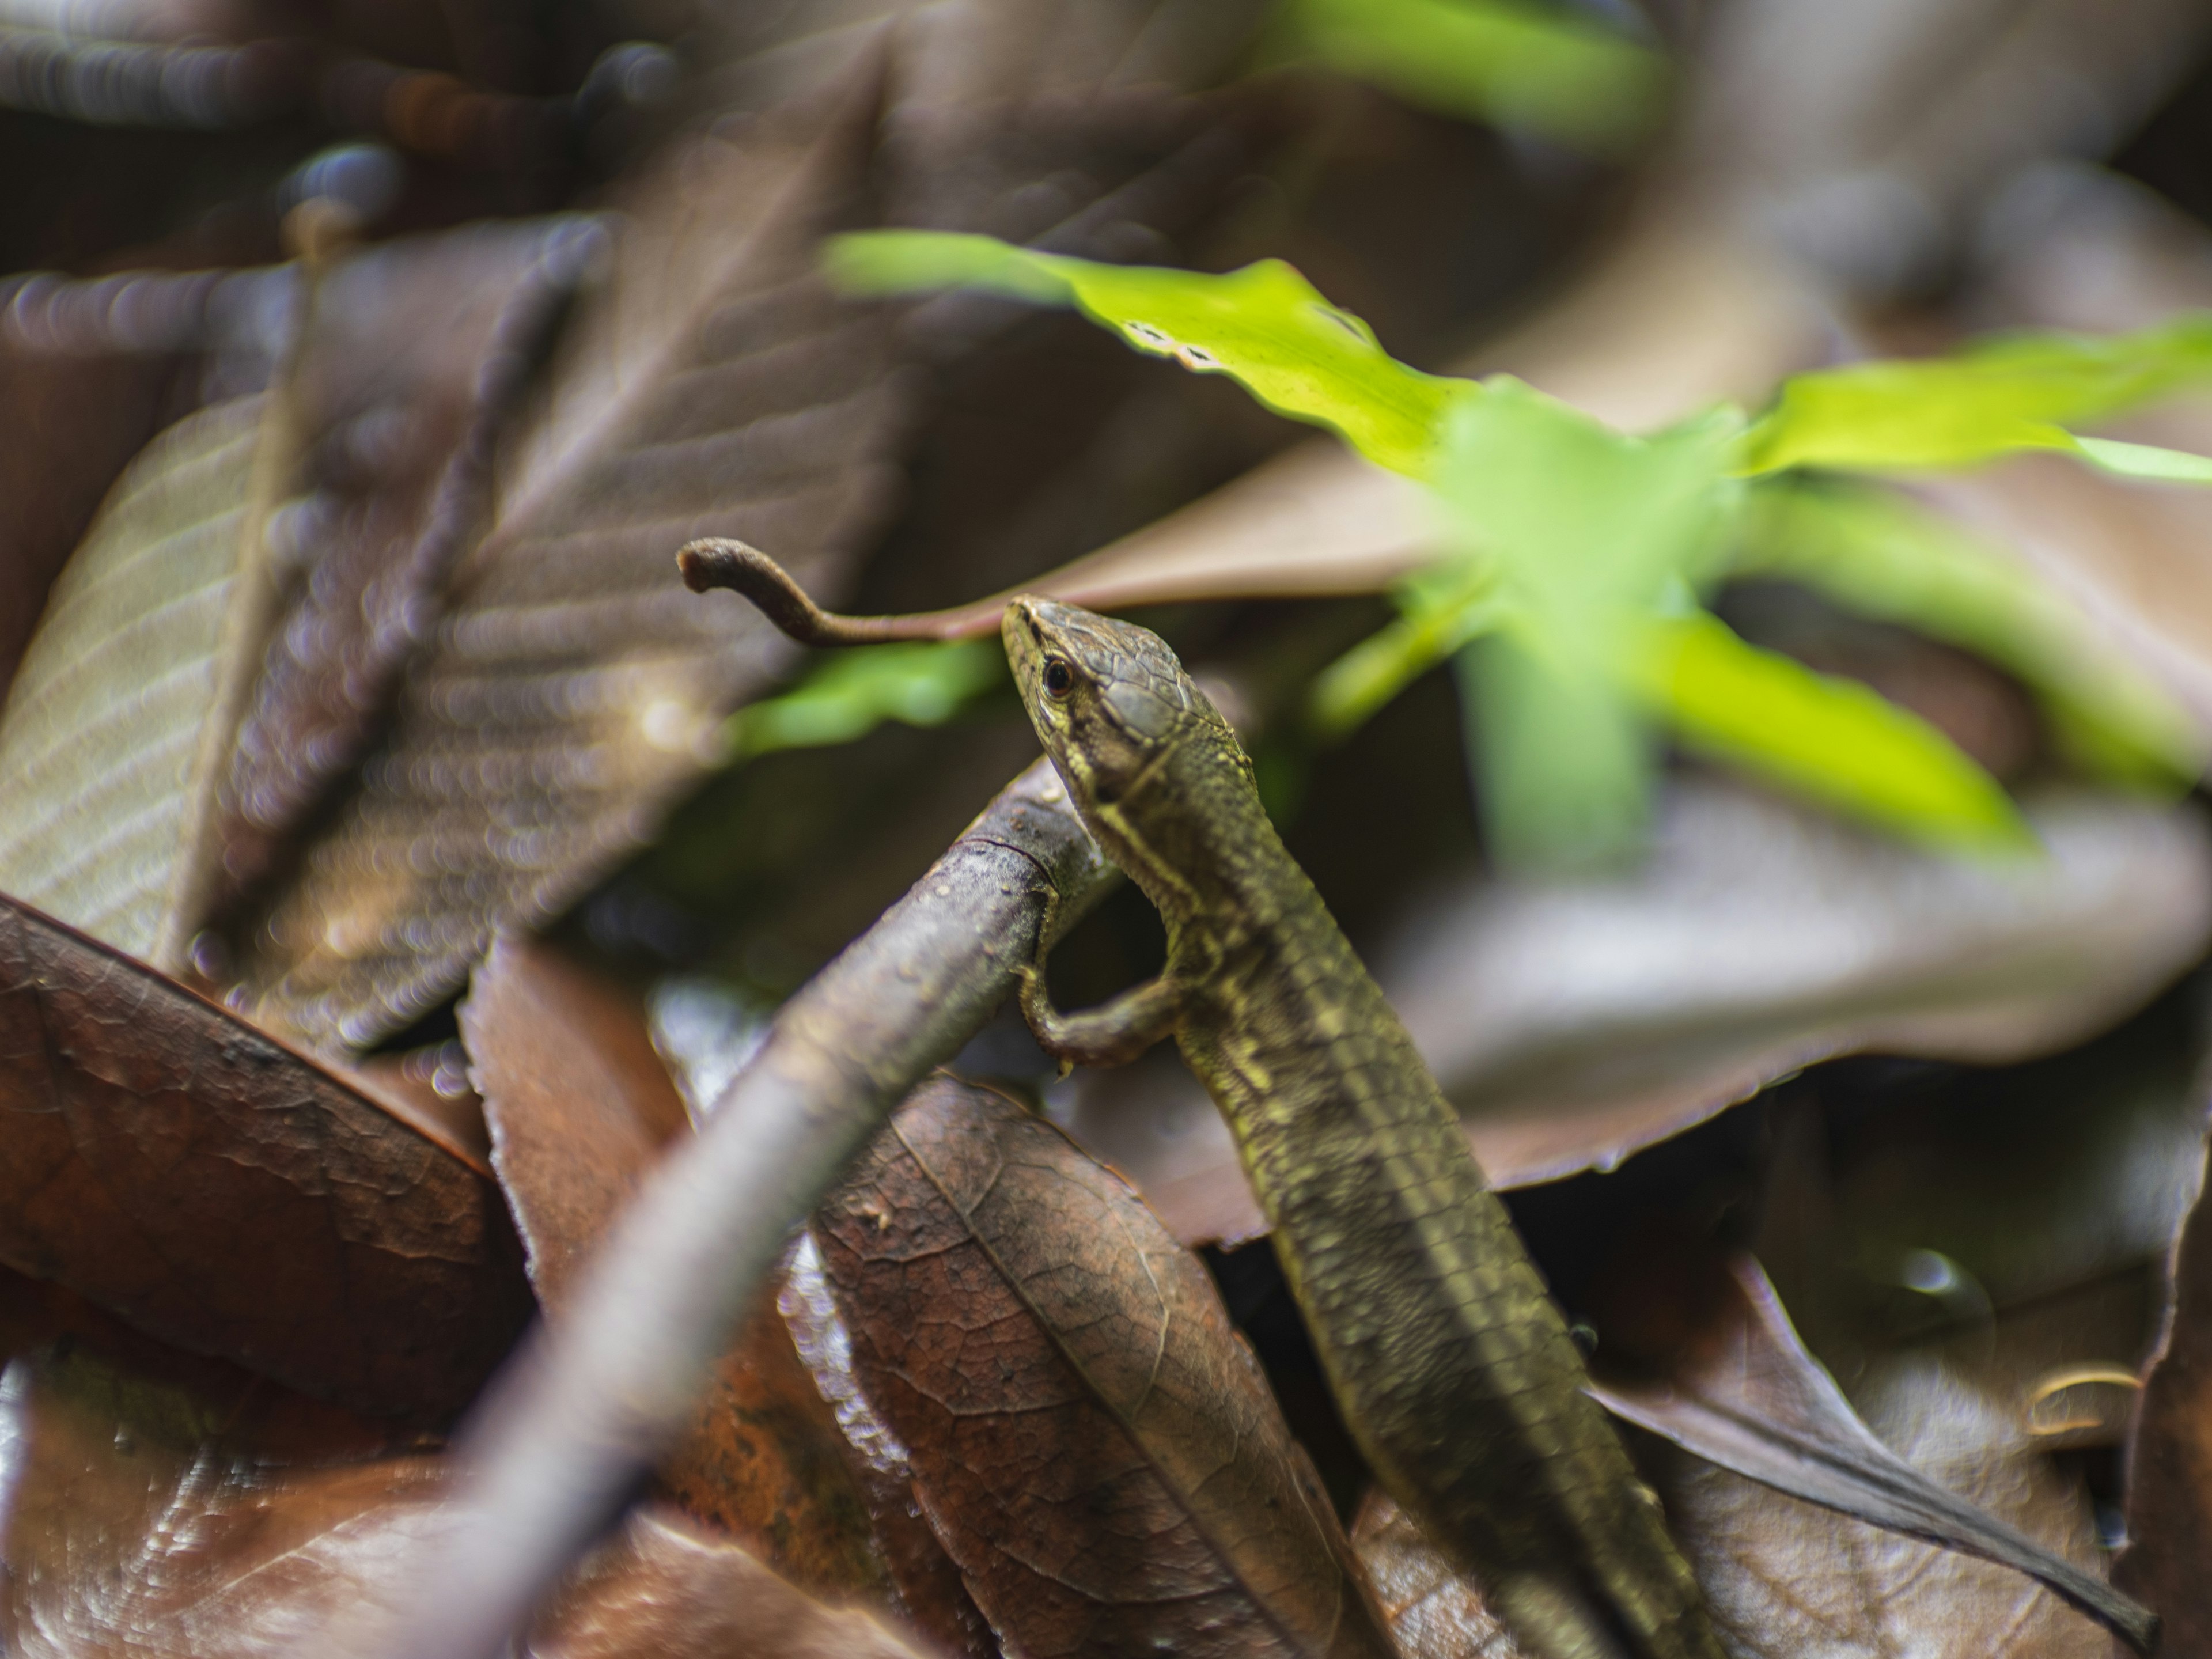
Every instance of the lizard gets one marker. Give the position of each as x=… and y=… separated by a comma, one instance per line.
x=1455, y=1370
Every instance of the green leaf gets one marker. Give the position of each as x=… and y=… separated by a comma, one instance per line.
x=1588, y=533
x=1536, y=68
x=1265, y=327
x=853, y=692
x=2018, y=394
x=1830, y=738
x=1443, y=608
x=1878, y=554
x=2145, y=461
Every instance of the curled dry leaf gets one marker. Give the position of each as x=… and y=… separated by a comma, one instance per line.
x=150, y=1520
x=1745, y=1394
x=1092, y=1441
x=664, y=1590
x=575, y=688
x=102, y=734
x=1576, y=1022
x=579, y=1106
x=2169, y=1452
x=418, y=348
x=1435, y=1610
x=228, y=1194
x=138, y=1527
x=1785, y=1578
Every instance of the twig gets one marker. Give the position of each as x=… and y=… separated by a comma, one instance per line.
x=560, y=1441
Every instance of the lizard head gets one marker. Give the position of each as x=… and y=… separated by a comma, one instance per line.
x=1109, y=700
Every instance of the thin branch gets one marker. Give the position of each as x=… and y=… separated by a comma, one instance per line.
x=560, y=1441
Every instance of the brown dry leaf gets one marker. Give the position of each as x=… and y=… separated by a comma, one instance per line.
x=103, y=738
x=2169, y=1453
x=140, y=1526
x=662, y=1589
x=1786, y=1578
x=575, y=688
x=1092, y=1441
x=1744, y=1394
x=229, y=1195
x=579, y=1106
x=73, y=421
x=400, y=388
x=1574, y=1023
x=153, y=1519
x=1435, y=1610
x=929, y=1588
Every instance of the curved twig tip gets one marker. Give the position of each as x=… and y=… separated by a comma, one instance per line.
x=717, y=562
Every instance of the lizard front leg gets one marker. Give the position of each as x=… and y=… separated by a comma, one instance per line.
x=1114, y=1033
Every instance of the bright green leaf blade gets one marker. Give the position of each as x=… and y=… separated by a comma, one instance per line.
x=853, y=692
x=1563, y=758
x=1538, y=68
x=888, y=262
x=104, y=724
x=2012, y=394
x=1830, y=738
x=1444, y=607
x=1265, y=327
x=1880, y=555
x=2145, y=461
x=1588, y=530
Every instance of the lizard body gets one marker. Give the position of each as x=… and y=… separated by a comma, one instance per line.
x=1454, y=1368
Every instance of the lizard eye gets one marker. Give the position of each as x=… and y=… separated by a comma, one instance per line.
x=1059, y=678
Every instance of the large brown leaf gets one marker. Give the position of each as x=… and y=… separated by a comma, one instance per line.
x=225, y=1192
x=152, y=1519
x=579, y=1106
x=575, y=687
x=418, y=350
x=103, y=741
x=1092, y=1440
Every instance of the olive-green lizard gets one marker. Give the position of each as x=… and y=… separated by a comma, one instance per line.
x=1454, y=1368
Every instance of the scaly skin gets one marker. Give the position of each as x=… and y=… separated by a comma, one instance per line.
x=1453, y=1367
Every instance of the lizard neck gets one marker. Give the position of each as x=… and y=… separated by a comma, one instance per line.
x=1193, y=834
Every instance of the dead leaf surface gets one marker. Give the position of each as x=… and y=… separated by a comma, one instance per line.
x=103, y=729
x=418, y=350
x=1092, y=1441
x=575, y=687
x=662, y=1589
x=1746, y=1395
x=930, y=1587
x=73, y=420
x=1435, y=1610
x=1574, y=1024
x=580, y=1105
x=225, y=1192
x=133, y=1532
x=1786, y=1578
x=148, y=1520
x=2169, y=1453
